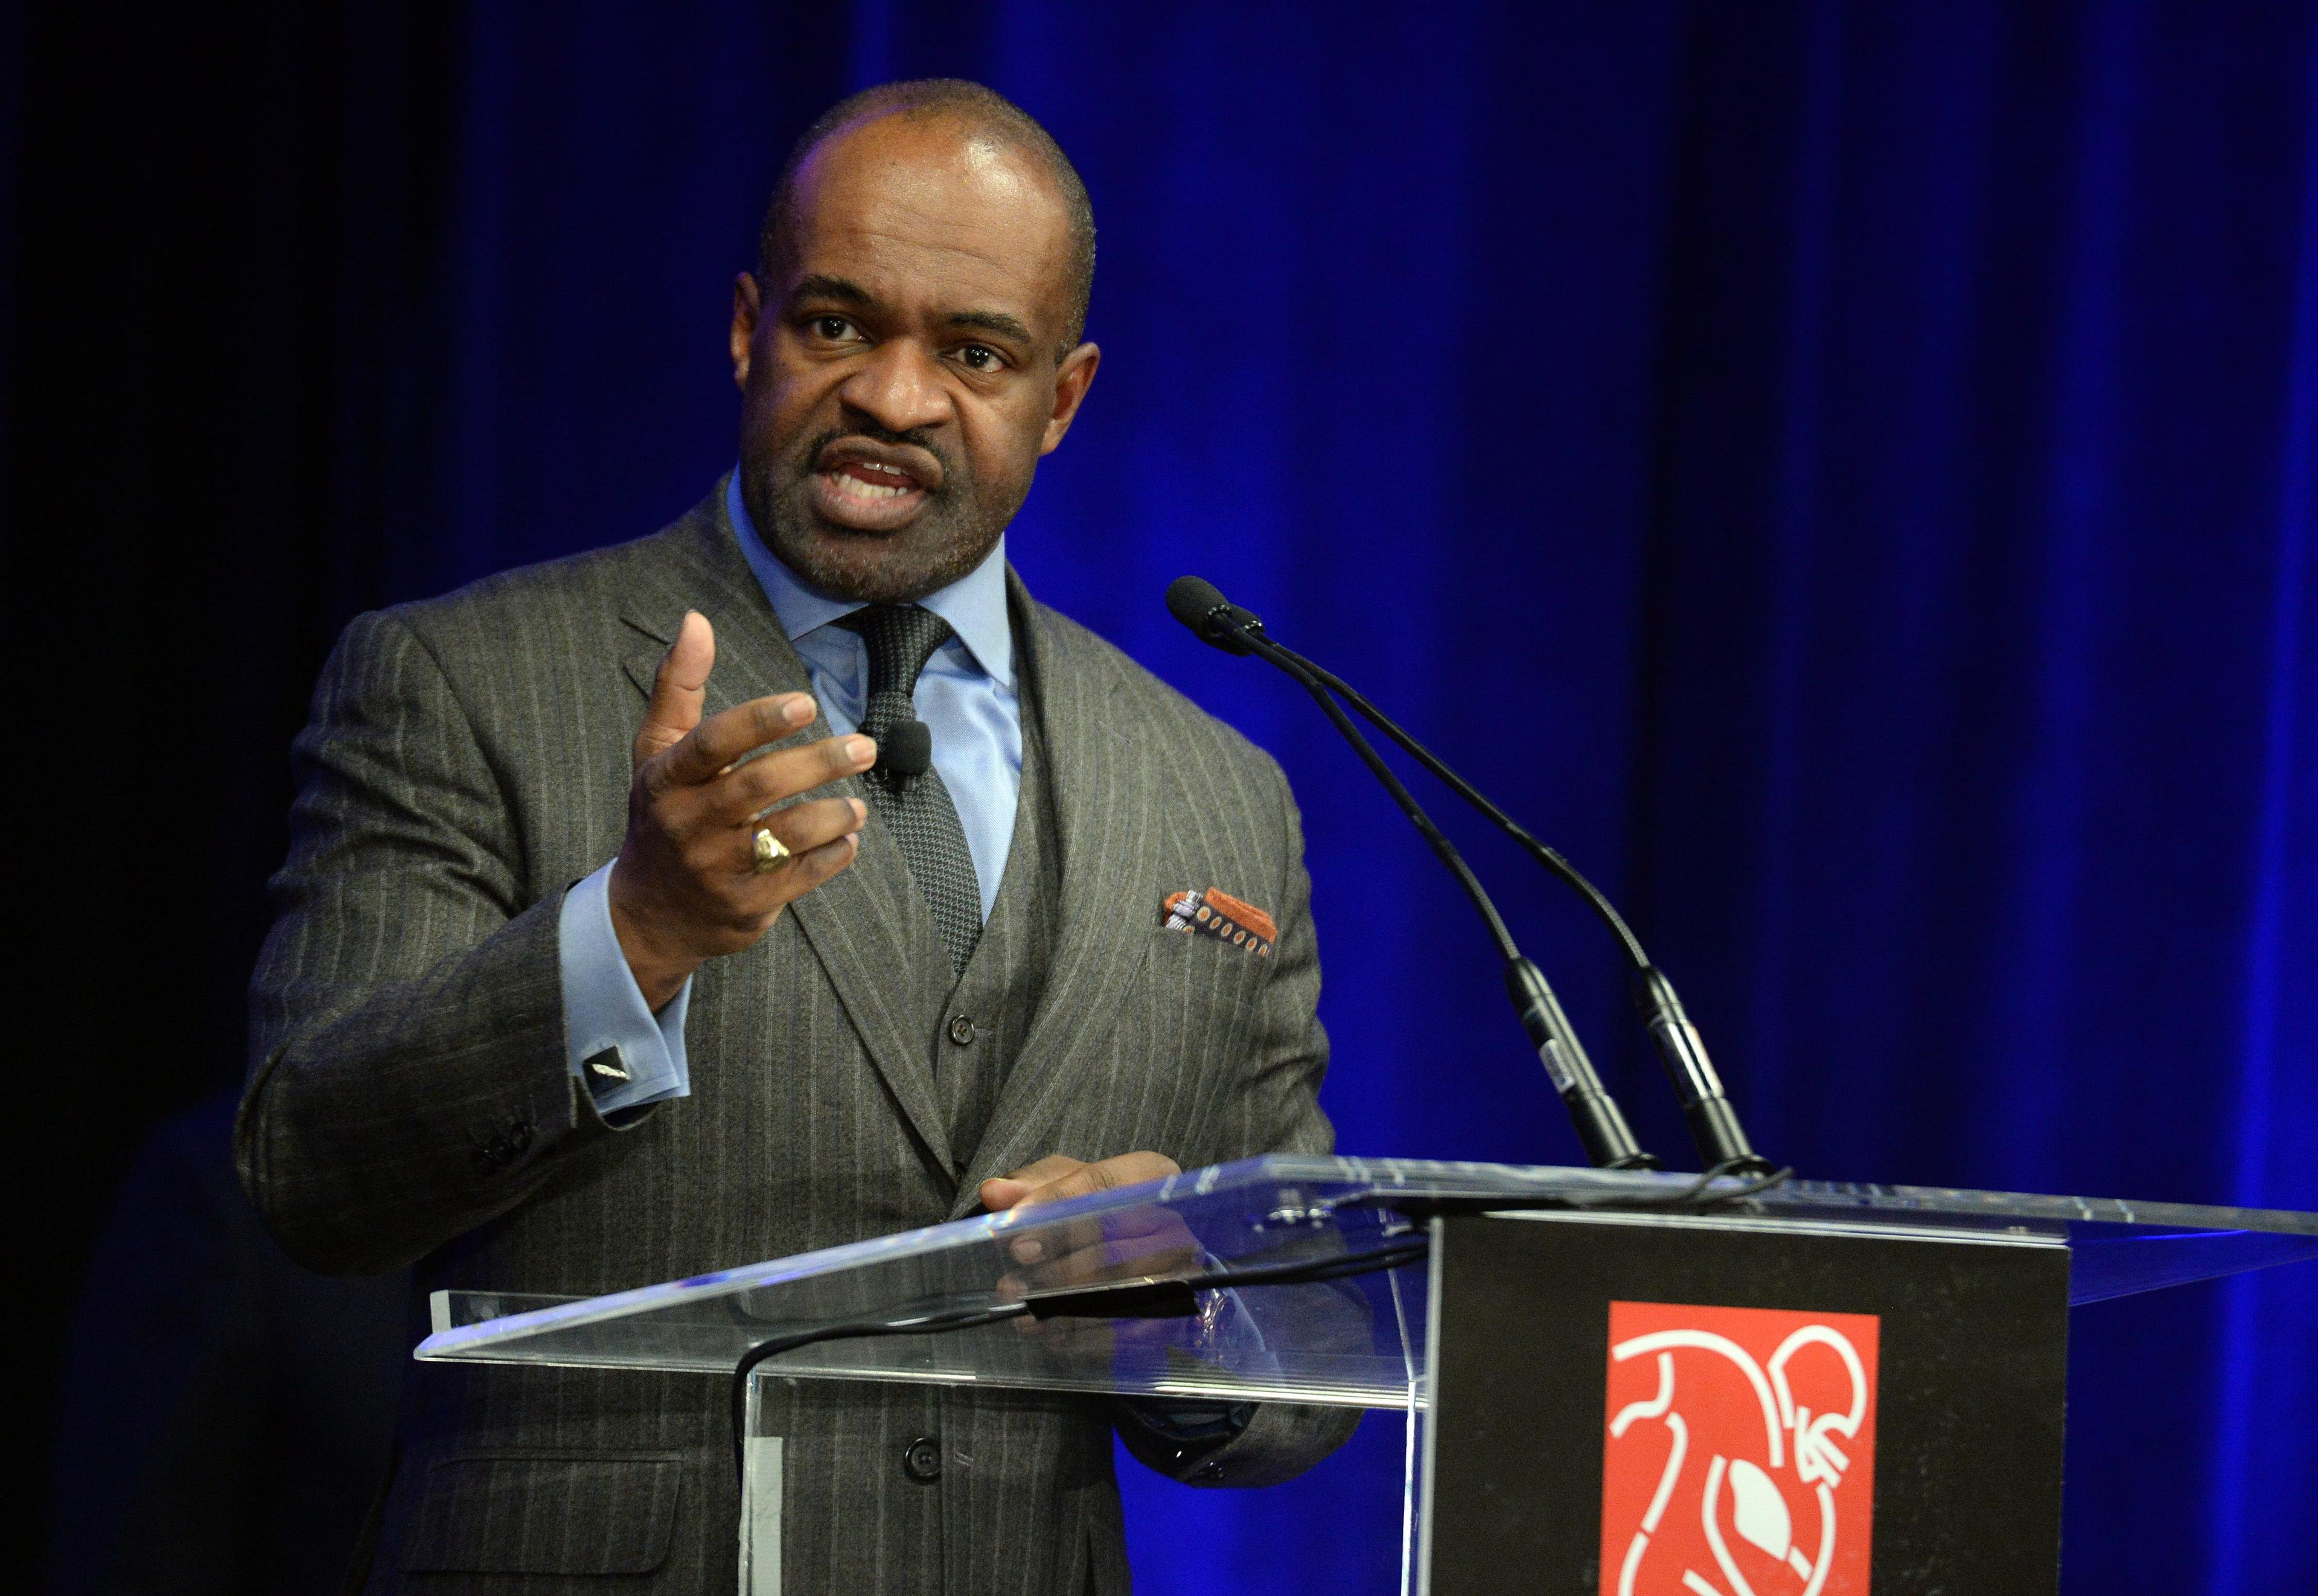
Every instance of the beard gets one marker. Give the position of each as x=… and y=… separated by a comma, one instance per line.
x=955, y=531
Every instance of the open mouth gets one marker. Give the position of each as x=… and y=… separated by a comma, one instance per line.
x=872, y=487
x=868, y=481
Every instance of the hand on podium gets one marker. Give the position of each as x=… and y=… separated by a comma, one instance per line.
x=1093, y=1250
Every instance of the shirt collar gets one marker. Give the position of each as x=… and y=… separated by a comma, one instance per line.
x=975, y=605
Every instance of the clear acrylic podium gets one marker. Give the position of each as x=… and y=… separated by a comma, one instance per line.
x=1516, y=1323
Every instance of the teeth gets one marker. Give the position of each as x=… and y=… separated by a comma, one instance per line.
x=854, y=486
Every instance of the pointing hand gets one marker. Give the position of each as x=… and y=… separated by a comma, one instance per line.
x=684, y=888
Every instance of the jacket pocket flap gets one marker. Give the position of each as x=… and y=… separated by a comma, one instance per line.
x=534, y=1513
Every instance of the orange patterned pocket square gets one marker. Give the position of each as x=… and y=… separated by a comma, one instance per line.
x=1217, y=914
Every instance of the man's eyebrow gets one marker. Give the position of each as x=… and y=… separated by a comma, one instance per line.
x=991, y=321
x=820, y=287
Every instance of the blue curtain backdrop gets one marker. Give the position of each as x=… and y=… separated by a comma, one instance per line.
x=1845, y=473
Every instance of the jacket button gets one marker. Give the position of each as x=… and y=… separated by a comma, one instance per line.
x=961, y=1030
x=922, y=1459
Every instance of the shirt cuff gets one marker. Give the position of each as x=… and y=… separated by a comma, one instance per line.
x=628, y=1055
x=1185, y=1423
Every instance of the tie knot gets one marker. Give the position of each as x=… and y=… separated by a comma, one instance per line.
x=902, y=637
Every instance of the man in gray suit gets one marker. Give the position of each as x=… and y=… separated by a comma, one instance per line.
x=610, y=952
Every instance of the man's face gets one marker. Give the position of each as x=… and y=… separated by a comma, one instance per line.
x=898, y=380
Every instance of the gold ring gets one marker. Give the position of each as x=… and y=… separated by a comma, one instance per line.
x=771, y=852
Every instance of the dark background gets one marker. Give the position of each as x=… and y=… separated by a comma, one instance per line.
x=1845, y=473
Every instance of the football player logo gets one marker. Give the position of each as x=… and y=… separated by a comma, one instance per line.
x=1740, y=1453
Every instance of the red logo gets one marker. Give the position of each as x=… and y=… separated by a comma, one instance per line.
x=1741, y=1455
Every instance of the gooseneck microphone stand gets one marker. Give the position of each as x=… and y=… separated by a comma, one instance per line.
x=1707, y=1110
x=1601, y=1128
x=1706, y=1107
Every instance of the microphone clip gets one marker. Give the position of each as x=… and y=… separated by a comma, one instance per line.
x=906, y=750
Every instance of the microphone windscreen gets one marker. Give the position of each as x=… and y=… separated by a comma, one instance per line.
x=1192, y=600
x=907, y=748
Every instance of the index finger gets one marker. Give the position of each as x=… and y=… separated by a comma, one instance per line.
x=1108, y=1174
x=729, y=734
x=995, y=1191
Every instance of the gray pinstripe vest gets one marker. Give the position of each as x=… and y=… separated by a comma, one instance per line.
x=975, y=1027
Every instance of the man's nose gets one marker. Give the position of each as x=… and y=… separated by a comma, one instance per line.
x=899, y=386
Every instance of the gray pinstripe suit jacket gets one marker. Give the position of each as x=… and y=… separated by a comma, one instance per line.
x=411, y=1099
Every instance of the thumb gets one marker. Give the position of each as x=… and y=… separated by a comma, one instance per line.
x=680, y=687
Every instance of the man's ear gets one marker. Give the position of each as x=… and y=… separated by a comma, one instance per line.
x=1073, y=378
x=747, y=308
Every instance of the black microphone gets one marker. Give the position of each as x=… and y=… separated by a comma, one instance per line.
x=906, y=749
x=1601, y=1129
x=1214, y=619
x=1707, y=1110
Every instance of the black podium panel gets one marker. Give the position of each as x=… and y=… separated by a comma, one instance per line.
x=1708, y=1409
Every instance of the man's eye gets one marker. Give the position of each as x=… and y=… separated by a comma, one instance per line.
x=835, y=328
x=979, y=357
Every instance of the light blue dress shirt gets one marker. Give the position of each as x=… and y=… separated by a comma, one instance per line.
x=628, y=1056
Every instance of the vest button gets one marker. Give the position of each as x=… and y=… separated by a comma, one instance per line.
x=961, y=1030
x=922, y=1459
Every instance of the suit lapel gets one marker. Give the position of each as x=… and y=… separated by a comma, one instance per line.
x=859, y=925
x=1105, y=801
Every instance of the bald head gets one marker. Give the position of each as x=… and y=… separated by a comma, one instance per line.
x=977, y=119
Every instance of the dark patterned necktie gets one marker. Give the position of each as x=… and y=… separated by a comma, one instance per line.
x=917, y=810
